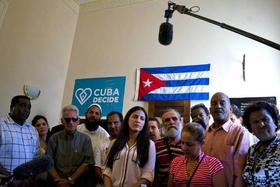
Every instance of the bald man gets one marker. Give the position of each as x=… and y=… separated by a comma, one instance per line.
x=226, y=140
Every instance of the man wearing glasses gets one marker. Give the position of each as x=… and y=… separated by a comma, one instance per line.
x=71, y=151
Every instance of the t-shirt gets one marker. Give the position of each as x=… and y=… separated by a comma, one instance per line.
x=165, y=153
x=100, y=142
x=202, y=177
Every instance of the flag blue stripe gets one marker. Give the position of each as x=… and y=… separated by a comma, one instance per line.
x=187, y=82
x=187, y=96
x=178, y=69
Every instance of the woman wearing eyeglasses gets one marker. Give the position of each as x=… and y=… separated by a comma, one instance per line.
x=263, y=160
x=195, y=168
x=131, y=157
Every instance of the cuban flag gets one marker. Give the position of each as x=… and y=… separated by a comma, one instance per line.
x=173, y=83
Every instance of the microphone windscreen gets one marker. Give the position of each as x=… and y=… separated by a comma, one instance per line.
x=32, y=168
x=165, y=33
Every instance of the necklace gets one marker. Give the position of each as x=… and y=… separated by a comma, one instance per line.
x=194, y=171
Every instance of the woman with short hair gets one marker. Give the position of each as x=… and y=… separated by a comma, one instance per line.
x=263, y=160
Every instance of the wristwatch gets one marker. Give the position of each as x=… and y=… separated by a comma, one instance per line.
x=71, y=181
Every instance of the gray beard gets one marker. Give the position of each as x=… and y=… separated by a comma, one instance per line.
x=172, y=133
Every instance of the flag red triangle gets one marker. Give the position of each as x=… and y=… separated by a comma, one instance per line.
x=148, y=83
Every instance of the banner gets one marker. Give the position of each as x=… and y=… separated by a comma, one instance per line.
x=173, y=83
x=108, y=92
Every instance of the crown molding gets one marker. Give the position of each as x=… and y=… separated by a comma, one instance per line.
x=73, y=4
x=3, y=9
x=96, y=5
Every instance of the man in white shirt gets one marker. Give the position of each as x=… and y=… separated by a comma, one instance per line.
x=98, y=135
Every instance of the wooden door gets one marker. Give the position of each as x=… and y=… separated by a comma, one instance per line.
x=156, y=108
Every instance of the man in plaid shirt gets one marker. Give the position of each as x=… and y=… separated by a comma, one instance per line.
x=18, y=139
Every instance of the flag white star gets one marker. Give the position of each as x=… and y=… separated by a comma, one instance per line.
x=147, y=83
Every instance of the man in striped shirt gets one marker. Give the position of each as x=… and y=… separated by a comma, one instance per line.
x=168, y=147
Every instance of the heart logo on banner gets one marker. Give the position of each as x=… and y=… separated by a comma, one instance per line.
x=83, y=95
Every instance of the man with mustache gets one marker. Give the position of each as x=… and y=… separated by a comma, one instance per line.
x=168, y=147
x=18, y=139
x=98, y=135
x=114, y=122
x=225, y=140
x=200, y=114
x=154, y=128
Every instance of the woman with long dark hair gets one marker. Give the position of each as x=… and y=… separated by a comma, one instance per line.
x=42, y=126
x=131, y=159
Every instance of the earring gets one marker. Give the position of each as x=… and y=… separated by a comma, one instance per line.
x=262, y=125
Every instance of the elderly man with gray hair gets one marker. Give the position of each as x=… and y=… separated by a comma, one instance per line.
x=168, y=147
x=71, y=151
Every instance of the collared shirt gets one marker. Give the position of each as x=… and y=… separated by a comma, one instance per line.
x=69, y=151
x=100, y=142
x=18, y=143
x=262, y=168
x=202, y=176
x=229, y=143
x=165, y=153
x=126, y=171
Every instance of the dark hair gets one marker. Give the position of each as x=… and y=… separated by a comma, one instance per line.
x=117, y=113
x=196, y=130
x=156, y=120
x=236, y=111
x=276, y=110
x=142, y=141
x=257, y=106
x=201, y=105
x=34, y=121
x=15, y=100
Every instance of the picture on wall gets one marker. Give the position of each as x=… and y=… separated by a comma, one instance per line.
x=108, y=92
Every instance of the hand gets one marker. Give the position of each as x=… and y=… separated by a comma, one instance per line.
x=137, y=184
x=62, y=182
x=22, y=183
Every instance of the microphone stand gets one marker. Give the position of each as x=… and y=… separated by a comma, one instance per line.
x=184, y=10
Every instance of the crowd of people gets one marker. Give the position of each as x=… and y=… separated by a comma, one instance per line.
x=136, y=150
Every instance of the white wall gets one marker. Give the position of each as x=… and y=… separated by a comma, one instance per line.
x=36, y=40
x=35, y=46
x=114, y=42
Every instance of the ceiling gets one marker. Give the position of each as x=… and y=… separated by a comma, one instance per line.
x=81, y=6
x=79, y=2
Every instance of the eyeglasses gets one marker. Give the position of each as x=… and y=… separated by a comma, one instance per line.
x=169, y=119
x=113, y=122
x=74, y=119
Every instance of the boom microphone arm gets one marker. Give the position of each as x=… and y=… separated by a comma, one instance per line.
x=183, y=10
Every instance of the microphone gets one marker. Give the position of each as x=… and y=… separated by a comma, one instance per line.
x=166, y=29
x=32, y=168
x=165, y=33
